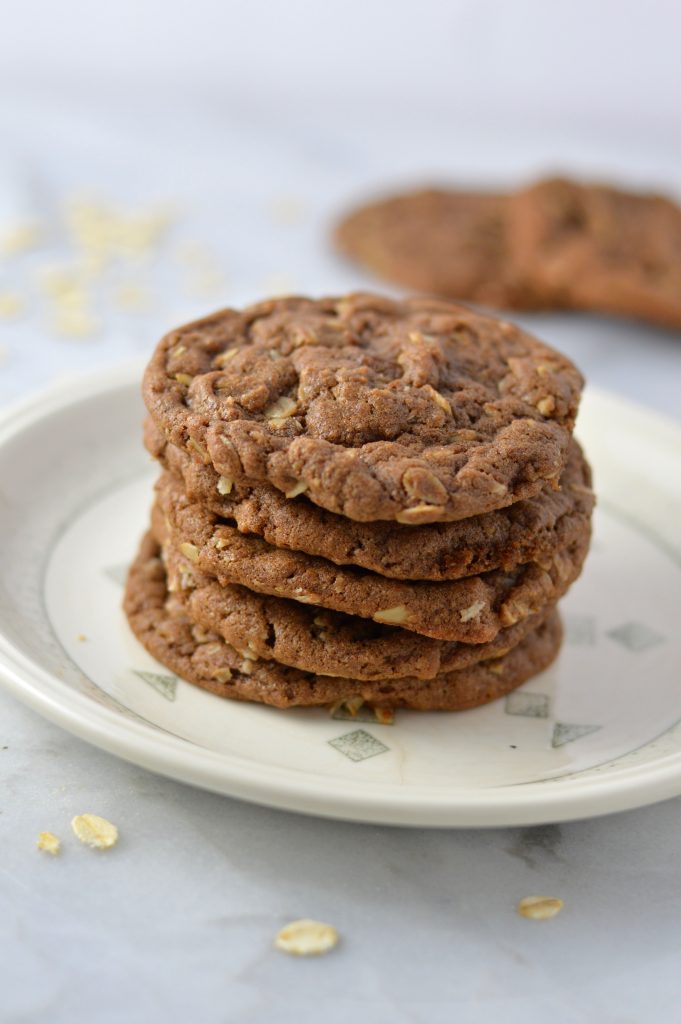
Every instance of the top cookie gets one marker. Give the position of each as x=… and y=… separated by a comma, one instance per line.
x=416, y=411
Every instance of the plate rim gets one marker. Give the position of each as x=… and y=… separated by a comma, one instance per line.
x=292, y=789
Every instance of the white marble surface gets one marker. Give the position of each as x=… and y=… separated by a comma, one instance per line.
x=176, y=922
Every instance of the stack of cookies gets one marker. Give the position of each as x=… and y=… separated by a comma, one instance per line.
x=361, y=500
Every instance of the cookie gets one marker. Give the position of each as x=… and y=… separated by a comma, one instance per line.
x=416, y=411
x=471, y=610
x=598, y=248
x=557, y=244
x=434, y=240
x=331, y=643
x=527, y=531
x=160, y=622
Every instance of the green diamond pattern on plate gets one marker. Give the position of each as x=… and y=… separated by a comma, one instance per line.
x=529, y=705
x=635, y=636
x=568, y=732
x=358, y=745
x=165, y=685
x=580, y=629
x=117, y=573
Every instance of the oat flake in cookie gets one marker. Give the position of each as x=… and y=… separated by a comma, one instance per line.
x=416, y=411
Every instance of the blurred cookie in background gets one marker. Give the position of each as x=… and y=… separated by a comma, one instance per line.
x=556, y=244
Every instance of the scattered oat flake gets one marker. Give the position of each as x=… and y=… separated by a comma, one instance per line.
x=104, y=232
x=133, y=298
x=60, y=281
x=81, y=638
x=72, y=322
x=539, y=908
x=306, y=938
x=384, y=716
x=48, y=842
x=19, y=238
x=94, y=831
x=10, y=304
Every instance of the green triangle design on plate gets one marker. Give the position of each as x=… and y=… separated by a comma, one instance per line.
x=165, y=685
x=117, y=574
x=567, y=732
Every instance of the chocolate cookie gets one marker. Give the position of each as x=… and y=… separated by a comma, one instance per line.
x=160, y=622
x=434, y=240
x=472, y=610
x=599, y=248
x=527, y=531
x=416, y=411
x=331, y=643
x=557, y=244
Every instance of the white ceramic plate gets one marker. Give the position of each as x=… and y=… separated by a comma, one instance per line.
x=598, y=732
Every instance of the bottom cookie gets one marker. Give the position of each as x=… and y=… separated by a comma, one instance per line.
x=160, y=622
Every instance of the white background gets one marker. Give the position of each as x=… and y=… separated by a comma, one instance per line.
x=226, y=110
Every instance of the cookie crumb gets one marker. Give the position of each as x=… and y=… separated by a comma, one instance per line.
x=48, y=842
x=94, y=831
x=539, y=908
x=349, y=704
x=306, y=938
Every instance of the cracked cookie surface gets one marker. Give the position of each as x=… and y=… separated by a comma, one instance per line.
x=418, y=411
